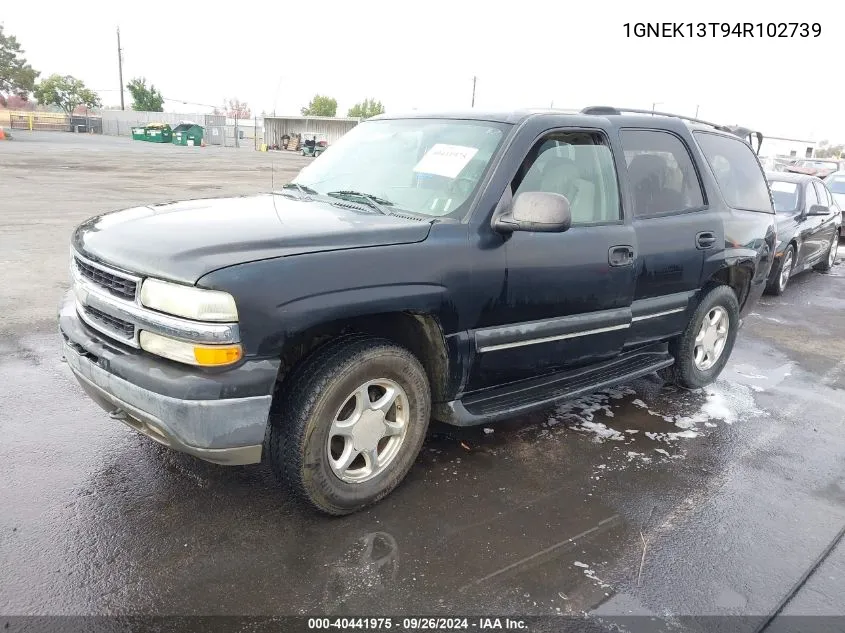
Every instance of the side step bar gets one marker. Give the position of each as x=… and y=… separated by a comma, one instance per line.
x=528, y=395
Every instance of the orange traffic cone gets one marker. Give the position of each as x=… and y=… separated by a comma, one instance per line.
x=2, y=134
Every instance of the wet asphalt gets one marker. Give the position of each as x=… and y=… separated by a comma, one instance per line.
x=643, y=500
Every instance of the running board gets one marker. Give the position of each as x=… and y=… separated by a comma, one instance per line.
x=525, y=396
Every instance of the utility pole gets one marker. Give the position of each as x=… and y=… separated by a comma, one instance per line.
x=473, y=91
x=120, y=67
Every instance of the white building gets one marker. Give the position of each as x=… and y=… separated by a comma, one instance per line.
x=776, y=147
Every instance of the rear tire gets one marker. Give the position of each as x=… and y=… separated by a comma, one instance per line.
x=830, y=256
x=325, y=417
x=702, y=351
x=777, y=286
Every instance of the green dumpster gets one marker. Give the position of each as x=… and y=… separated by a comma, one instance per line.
x=139, y=134
x=187, y=134
x=158, y=133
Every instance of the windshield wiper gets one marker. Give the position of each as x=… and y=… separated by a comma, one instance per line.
x=305, y=193
x=373, y=201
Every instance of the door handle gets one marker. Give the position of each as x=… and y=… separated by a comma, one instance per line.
x=620, y=255
x=705, y=239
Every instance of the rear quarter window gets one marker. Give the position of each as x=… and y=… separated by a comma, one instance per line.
x=737, y=171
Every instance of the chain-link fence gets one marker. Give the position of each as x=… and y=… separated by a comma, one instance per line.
x=217, y=129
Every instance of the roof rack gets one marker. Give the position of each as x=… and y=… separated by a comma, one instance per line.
x=742, y=132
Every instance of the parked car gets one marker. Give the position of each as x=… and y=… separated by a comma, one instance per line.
x=815, y=167
x=808, y=227
x=835, y=183
x=466, y=267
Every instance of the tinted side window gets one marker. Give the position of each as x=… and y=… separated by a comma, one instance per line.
x=737, y=172
x=810, y=197
x=661, y=172
x=822, y=193
x=578, y=165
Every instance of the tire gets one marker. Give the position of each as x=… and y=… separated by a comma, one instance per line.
x=830, y=256
x=777, y=286
x=320, y=392
x=686, y=372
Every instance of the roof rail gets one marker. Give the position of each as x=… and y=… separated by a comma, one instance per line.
x=742, y=132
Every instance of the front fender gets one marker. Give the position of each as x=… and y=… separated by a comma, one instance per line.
x=278, y=299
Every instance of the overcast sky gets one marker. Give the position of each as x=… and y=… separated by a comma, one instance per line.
x=423, y=55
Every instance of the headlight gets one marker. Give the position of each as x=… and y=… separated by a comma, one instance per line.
x=189, y=302
x=191, y=353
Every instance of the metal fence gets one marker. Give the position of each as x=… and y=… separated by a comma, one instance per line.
x=121, y=122
x=23, y=120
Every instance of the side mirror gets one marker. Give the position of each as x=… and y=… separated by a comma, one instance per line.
x=818, y=209
x=536, y=211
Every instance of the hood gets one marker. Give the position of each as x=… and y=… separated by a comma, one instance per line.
x=182, y=241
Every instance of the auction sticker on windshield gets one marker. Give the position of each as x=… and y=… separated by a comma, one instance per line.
x=445, y=160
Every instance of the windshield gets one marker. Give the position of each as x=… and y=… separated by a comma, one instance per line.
x=785, y=196
x=427, y=166
x=836, y=184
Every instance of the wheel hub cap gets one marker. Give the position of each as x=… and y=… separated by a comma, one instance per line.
x=786, y=269
x=711, y=339
x=368, y=430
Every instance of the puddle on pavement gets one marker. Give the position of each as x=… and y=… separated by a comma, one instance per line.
x=535, y=515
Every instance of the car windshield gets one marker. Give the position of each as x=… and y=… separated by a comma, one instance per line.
x=427, y=166
x=785, y=196
x=836, y=184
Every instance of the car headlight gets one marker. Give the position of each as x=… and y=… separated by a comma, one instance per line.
x=189, y=302
x=191, y=353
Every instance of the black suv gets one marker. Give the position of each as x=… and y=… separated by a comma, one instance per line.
x=462, y=267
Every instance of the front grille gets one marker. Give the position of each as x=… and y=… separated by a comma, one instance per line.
x=111, y=323
x=114, y=283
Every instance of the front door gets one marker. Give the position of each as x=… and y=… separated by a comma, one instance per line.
x=566, y=298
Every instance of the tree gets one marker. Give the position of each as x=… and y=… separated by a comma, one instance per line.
x=829, y=151
x=366, y=109
x=237, y=109
x=66, y=92
x=16, y=102
x=145, y=99
x=321, y=105
x=16, y=76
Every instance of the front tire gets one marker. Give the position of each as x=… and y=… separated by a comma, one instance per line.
x=705, y=346
x=350, y=424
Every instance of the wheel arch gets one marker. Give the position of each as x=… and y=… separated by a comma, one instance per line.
x=419, y=332
x=738, y=276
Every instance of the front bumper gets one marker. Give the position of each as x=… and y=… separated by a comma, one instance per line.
x=220, y=416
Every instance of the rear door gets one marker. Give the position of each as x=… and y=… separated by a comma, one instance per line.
x=675, y=231
x=827, y=225
x=811, y=228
